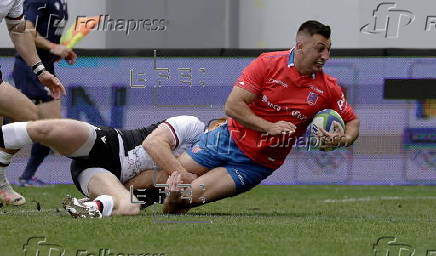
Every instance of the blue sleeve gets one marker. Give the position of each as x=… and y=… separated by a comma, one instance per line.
x=35, y=8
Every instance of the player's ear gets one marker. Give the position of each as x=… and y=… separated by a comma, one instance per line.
x=299, y=45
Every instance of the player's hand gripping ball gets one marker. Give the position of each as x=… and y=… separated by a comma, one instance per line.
x=326, y=130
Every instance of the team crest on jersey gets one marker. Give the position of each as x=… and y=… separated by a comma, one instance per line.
x=312, y=98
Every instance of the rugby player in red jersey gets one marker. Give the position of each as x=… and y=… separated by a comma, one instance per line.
x=271, y=104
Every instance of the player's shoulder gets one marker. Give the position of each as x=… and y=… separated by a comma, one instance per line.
x=186, y=128
x=330, y=81
x=7, y=5
x=11, y=9
x=185, y=120
x=273, y=56
x=273, y=59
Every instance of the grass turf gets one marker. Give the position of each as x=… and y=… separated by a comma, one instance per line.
x=269, y=220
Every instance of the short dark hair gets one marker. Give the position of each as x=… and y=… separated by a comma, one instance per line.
x=312, y=27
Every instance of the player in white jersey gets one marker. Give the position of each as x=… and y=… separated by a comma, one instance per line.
x=14, y=104
x=104, y=158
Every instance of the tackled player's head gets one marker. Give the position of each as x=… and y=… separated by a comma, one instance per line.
x=312, y=48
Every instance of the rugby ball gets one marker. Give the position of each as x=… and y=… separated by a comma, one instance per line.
x=324, y=119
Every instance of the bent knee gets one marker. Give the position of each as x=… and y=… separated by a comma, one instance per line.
x=40, y=129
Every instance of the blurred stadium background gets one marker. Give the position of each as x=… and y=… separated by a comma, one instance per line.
x=188, y=64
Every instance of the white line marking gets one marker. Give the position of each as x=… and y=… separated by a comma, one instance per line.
x=381, y=198
x=12, y=211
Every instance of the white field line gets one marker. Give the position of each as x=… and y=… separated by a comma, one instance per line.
x=12, y=211
x=361, y=187
x=381, y=198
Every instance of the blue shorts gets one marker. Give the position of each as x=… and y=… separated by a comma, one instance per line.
x=27, y=82
x=217, y=149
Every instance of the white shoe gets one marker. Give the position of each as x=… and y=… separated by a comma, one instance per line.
x=9, y=196
x=78, y=209
x=83, y=200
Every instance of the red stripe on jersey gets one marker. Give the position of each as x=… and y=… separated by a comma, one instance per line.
x=174, y=133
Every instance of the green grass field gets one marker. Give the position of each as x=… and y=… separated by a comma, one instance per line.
x=269, y=220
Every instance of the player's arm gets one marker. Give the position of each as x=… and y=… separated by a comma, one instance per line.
x=351, y=132
x=57, y=49
x=160, y=145
x=237, y=107
x=247, y=89
x=341, y=137
x=352, y=122
x=25, y=45
x=23, y=40
x=40, y=42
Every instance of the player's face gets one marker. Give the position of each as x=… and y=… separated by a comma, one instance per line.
x=315, y=52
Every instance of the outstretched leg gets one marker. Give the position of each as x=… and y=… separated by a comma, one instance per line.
x=109, y=197
x=47, y=110
x=106, y=183
x=16, y=106
x=212, y=186
x=68, y=137
x=65, y=136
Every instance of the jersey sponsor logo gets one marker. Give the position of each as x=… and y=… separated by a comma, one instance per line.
x=312, y=98
x=279, y=82
x=316, y=89
x=341, y=103
x=240, y=177
x=297, y=114
x=270, y=104
x=103, y=139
